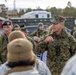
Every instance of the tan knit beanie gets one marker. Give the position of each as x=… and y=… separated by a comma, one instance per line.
x=20, y=50
x=15, y=35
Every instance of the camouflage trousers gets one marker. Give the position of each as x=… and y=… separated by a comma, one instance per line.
x=55, y=67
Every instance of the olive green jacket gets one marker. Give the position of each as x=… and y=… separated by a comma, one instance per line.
x=39, y=33
x=3, y=47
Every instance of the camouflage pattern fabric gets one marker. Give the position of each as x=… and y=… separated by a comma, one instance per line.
x=59, y=51
x=33, y=42
x=3, y=48
x=39, y=33
x=74, y=34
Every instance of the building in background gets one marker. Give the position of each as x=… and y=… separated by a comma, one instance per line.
x=1, y=20
x=36, y=14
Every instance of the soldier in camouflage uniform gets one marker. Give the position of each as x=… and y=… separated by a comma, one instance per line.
x=25, y=31
x=39, y=33
x=7, y=28
x=60, y=46
x=16, y=27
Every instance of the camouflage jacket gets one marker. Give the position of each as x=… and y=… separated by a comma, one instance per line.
x=39, y=33
x=74, y=34
x=33, y=42
x=62, y=43
x=59, y=51
x=3, y=47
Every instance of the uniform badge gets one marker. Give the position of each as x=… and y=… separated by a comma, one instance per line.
x=8, y=23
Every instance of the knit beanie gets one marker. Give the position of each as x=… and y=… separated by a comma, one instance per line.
x=16, y=26
x=20, y=50
x=40, y=24
x=15, y=35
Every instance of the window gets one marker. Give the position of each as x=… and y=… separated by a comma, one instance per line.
x=48, y=16
x=36, y=15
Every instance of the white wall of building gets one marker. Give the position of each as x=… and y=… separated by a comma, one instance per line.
x=34, y=14
x=75, y=22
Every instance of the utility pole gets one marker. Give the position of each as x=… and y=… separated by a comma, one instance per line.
x=6, y=12
x=14, y=4
x=6, y=9
x=15, y=10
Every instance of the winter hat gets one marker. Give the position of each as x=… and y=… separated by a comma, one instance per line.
x=25, y=30
x=20, y=50
x=22, y=26
x=40, y=24
x=15, y=35
x=16, y=27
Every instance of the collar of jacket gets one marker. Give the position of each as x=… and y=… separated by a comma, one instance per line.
x=62, y=35
x=19, y=69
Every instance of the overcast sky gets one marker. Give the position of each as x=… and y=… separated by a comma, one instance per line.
x=35, y=3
